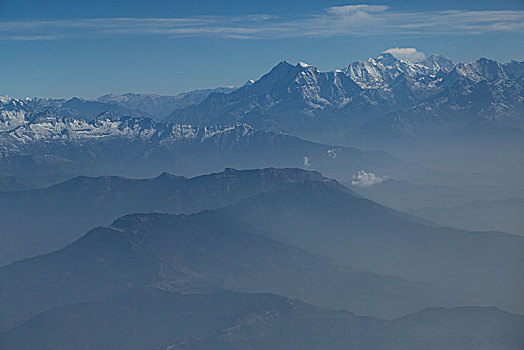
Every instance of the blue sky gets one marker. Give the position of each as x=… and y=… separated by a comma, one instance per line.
x=60, y=48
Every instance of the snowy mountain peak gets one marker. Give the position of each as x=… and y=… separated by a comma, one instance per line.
x=514, y=69
x=284, y=66
x=482, y=69
x=5, y=99
x=383, y=71
x=75, y=99
x=387, y=59
x=437, y=62
x=12, y=101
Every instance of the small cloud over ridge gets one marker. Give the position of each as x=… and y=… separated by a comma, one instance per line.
x=306, y=161
x=406, y=53
x=366, y=179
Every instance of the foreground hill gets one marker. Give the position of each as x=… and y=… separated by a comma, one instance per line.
x=198, y=253
x=154, y=319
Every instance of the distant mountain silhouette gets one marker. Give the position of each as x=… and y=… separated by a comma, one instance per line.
x=503, y=215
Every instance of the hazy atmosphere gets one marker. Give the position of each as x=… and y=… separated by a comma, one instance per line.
x=262, y=175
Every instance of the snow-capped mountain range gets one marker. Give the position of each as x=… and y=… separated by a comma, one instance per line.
x=49, y=145
x=129, y=104
x=366, y=104
x=50, y=128
x=412, y=99
x=383, y=70
x=382, y=97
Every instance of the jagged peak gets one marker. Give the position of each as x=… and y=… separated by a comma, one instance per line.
x=6, y=99
x=75, y=99
x=437, y=58
x=481, y=69
x=386, y=58
x=282, y=64
x=281, y=67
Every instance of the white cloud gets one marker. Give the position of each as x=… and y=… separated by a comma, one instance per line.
x=350, y=9
x=350, y=20
x=332, y=153
x=306, y=161
x=406, y=53
x=366, y=179
x=32, y=37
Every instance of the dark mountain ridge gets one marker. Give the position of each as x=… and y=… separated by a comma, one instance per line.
x=63, y=212
x=149, y=318
x=198, y=253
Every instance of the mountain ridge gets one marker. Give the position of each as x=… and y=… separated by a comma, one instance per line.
x=198, y=252
x=64, y=211
x=260, y=321
x=111, y=144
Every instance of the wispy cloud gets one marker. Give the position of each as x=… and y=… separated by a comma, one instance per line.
x=32, y=37
x=350, y=20
x=345, y=9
